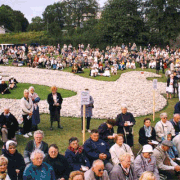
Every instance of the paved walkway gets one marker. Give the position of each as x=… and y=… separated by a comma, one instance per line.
x=131, y=88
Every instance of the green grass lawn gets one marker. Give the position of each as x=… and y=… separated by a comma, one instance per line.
x=43, y=91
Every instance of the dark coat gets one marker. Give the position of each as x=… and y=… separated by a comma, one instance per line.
x=51, y=101
x=177, y=108
x=15, y=161
x=142, y=137
x=60, y=166
x=93, y=149
x=176, y=126
x=104, y=132
x=76, y=160
x=120, y=120
x=11, y=124
x=3, y=87
x=175, y=82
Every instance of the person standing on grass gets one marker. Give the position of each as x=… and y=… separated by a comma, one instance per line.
x=55, y=100
x=88, y=115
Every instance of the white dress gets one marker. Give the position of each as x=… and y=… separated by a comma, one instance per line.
x=170, y=88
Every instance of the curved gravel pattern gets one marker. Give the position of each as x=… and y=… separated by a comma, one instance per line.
x=131, y=88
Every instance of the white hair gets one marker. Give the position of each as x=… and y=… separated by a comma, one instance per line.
x=37, y=151
x=25, y=91
x=123, y=106
x=98, y=161
x=39, y=132
x=175, y=115
x=163, y=114
x=6, y=108
x=123, y=156
x=31, y=87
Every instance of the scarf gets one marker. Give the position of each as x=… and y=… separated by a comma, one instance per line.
x=125, y=171
x=78, y=150
x=147, y=131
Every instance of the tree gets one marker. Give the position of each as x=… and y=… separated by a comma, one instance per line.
x=37, y=24
x=121, y=21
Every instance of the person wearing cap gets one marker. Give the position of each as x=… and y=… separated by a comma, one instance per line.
x=146, y=162
x=163, y=127
x=165, y=164
x=125, y=122
x=9, y=125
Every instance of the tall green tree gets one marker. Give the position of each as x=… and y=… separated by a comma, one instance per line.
x=37, y=24
x=121, y=21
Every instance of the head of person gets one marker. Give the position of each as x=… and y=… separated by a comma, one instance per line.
x=11, y=146
x=110, y=123
x=147, y=151
x=147, y=122
x=38, y=136
x=3, y=166
x=6, y=110
x=94, y=135
x=53, y=89
x=53, y=151
x=169, y=136
x=163, y=117
x=74, y=142
x=26, y=93
x=3, y=82
x=147, y=175
x=98, y=167
x=165, y=145
x=31, y=89
x=176, y=117
x=76, y=175
x=37, y=157
x=125, y=160
x=124, y=108
x=119, y=139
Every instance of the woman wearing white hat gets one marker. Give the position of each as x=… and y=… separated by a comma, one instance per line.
x=146, y=162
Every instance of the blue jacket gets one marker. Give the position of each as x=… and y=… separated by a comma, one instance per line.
x=43, y=172
x=93, y=149
x=76, y=160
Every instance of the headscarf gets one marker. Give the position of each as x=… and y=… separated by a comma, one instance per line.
x=8, y=143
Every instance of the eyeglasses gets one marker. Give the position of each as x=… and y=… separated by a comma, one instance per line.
x=165, y=118
x=37, y=159
x=100, y=170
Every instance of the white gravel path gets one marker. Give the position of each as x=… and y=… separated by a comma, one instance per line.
x=131, y=88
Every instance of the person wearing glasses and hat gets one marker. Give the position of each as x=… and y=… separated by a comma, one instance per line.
x=97, y=171
x=165, y=164
x=163, y=127
x=146, y=162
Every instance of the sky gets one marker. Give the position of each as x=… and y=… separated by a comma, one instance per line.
x=32, y=8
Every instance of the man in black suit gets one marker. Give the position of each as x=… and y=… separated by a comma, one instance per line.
x=55, y=100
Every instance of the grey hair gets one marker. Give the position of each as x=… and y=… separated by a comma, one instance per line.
x=31, y=87
x=25, y=91
x=163, y=114
x=3, y=159
x=6, y=108
x=37, y=151
x=175, y=115
x=13, y=144
x=39, y=132
x=123, y=106
x=98, y=161
x=123, y=156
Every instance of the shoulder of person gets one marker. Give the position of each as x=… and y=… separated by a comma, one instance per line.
x=44, y=143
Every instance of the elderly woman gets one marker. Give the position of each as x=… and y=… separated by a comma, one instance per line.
x=27, y=112
x=163, y=127
x=3, y=168
x=37, y=143
x=35, y=99
x=125, y=122
x=147, y=176
x=16, y=163
x=124, y=170
x=120, y=148
x=38, y=169
x=147, y=133
x=58, y=162
x=76, y=175
x=106, y=131
x=55, y=100
x=75, y=155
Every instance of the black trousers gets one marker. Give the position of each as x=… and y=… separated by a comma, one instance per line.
x=176, y=90
x=27, y=127
x=88, y=122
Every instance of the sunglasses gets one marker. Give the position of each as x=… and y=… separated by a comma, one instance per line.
x=101, y=170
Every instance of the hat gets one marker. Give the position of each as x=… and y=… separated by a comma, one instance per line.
x=8, y=143
x=167, y=143
x=147, y=148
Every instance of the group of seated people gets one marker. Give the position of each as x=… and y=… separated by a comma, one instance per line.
x=105, y=155
x=4, y=87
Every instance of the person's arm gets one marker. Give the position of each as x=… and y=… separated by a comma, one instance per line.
x=172, y=129
x=66, y=171
x=24, y=109
x=107, y=152
x=53, y=177
x=142, y=138
x=69, y=158
x=50, y=100
x=114, y=157
x=138, y=166
x=15, y=123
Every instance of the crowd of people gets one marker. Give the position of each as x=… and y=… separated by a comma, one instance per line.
x=100, y=62
x=106, y=155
